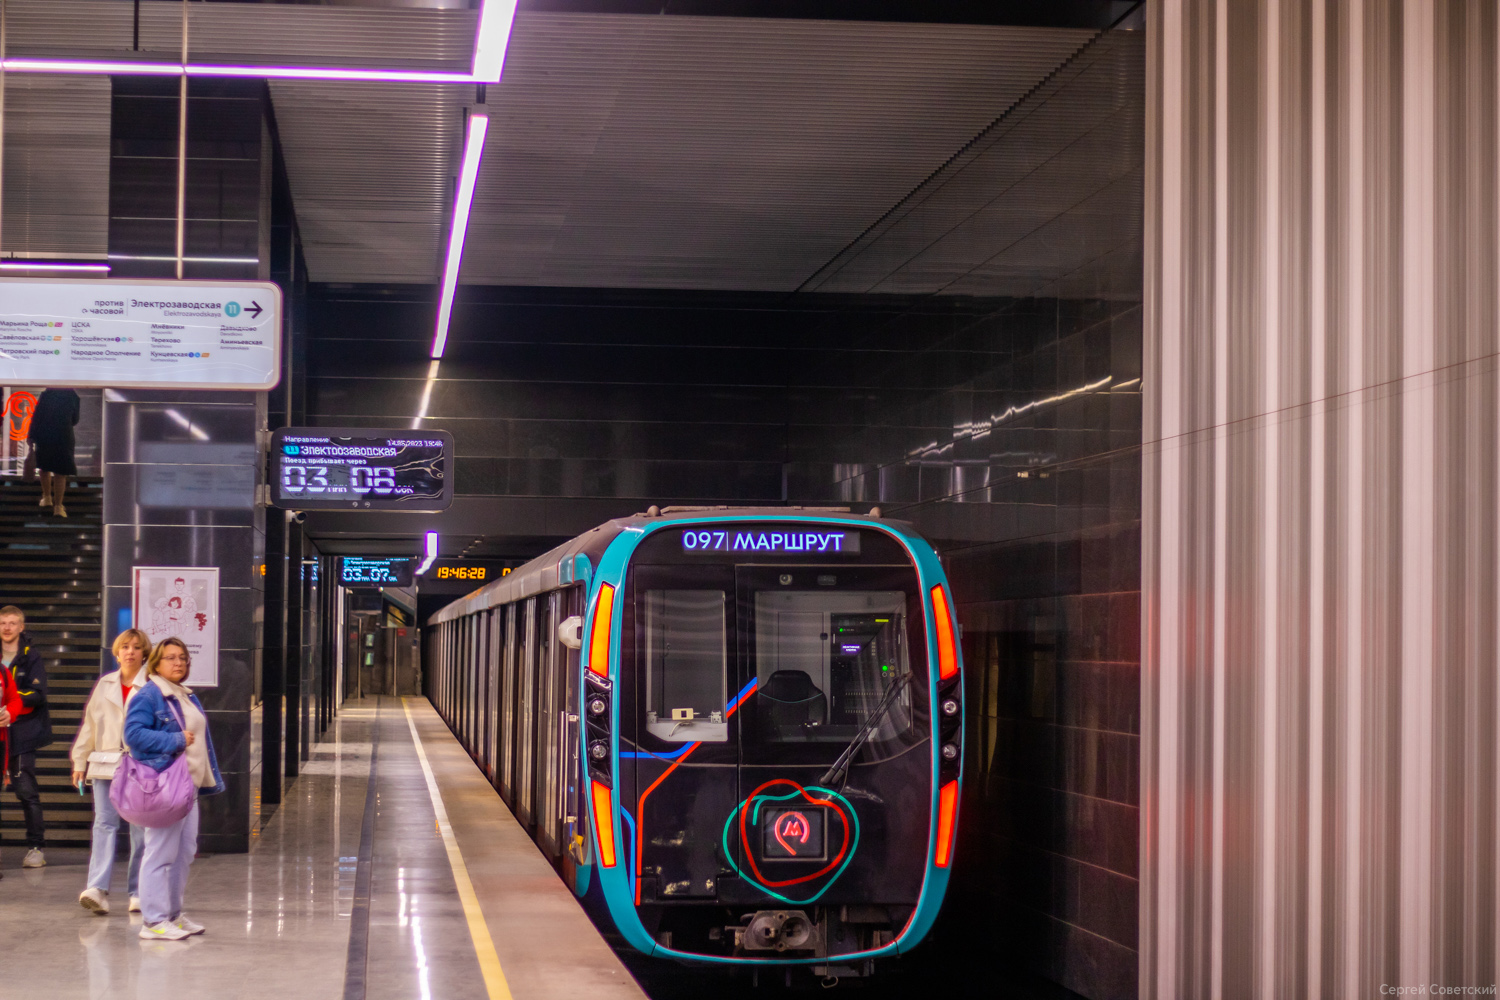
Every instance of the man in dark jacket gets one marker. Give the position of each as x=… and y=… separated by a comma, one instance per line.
x=30, y=730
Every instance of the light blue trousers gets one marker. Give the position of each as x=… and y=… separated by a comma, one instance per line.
x=164, y=870
x=102, y=858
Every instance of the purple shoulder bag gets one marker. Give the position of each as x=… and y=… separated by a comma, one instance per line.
x=152, y=798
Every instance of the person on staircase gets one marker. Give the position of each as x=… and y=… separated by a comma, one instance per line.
x=30, y=730
x=96, y=754
x=51, y=439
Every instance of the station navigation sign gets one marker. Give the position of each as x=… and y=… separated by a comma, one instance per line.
x=353, y=468
x=140, y=333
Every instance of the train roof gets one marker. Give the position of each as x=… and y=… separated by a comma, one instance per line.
x=574, y=560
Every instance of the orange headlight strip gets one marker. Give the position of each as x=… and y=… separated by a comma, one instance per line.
x=604, y=617
x=942, y=852
x=942, y=615
x=604, y=823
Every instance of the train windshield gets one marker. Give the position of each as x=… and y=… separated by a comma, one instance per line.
x=782, y=650
x=825, y=661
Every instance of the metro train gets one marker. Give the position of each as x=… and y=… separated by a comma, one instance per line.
x=736, y=732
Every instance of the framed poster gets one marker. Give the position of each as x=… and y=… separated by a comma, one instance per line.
x=182, y=601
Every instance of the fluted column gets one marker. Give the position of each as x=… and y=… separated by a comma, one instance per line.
x=1319, y=758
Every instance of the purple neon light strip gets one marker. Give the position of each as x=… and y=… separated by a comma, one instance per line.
x=16, y=64
x=34, y=265
x=491, y=40
x=479, y=123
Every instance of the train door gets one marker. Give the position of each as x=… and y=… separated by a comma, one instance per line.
x=525, y=808
x=686, y=755
x=487, y=673
x=508, y=708
x=573, y=604
x=497, y=660
x=548, y=735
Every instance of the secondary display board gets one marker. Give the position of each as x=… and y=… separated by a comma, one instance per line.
x=379, y=571
x=346, y=468
x=139, y=333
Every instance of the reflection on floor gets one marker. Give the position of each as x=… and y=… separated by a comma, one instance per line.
x=279, y=917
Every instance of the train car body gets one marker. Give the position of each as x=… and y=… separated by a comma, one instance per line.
x=736, y=732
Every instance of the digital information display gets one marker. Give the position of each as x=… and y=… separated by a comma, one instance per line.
x=392, y=571
x=467, y=572
x=323, y=468
x=138, y=333
x=789, y=541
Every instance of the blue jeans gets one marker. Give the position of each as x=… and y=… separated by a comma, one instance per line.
x=102, y=857
x=164, y=870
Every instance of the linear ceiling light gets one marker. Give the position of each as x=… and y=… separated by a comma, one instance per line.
x=432, y=370
x=432, y=553
x=492, y=38
x=479, y=123
x=129, y=67
x=36, y=265
x=490, y=41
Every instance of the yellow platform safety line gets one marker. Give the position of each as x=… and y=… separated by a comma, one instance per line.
x=479, y=931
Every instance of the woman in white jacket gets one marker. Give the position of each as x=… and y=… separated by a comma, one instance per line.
x=96, y=754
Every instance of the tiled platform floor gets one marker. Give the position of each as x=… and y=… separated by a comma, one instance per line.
x=278, y=918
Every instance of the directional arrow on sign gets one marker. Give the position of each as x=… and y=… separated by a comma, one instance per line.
x=254, y=309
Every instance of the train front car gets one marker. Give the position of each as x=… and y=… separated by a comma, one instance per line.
x=774, y=738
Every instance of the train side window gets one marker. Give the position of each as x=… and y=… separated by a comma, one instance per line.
x=687, y=665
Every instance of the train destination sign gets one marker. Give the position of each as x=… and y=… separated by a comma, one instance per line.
x=139, y=333
x=796, y=540
x=384, y=571
x=343, y=468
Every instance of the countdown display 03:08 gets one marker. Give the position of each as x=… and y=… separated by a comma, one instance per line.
x=335, y=479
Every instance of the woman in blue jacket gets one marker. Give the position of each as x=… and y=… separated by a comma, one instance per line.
x=156, y=737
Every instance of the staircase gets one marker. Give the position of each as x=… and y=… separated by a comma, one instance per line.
x=50, y=568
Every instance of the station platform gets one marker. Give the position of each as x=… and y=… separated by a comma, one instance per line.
x=430, y=889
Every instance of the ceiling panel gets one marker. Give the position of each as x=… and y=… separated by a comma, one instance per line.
x=1047, y=199
x=371, y=169
x=653, y=152
x=56, y=170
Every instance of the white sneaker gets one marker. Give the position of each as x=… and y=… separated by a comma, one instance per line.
x=34, y=859
x=164, y=931
x=94, y=900
x=188, y=924
x=45, y=501
x=135, y=905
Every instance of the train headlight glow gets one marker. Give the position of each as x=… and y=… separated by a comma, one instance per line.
x=950, y=752
x=604, y=609
x=943, y=625
x=950, y=707
x=598, y=706
x=604, y=824
x=947, y=812
x=598, y=750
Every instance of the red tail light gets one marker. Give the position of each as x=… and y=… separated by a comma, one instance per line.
x=947, y=813
x=604, y=614
x=604, y=824
x=943, y=623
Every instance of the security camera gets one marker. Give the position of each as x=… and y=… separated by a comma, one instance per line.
x=296, y=516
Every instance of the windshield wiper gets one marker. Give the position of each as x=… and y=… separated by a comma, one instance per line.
x=839, y=771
